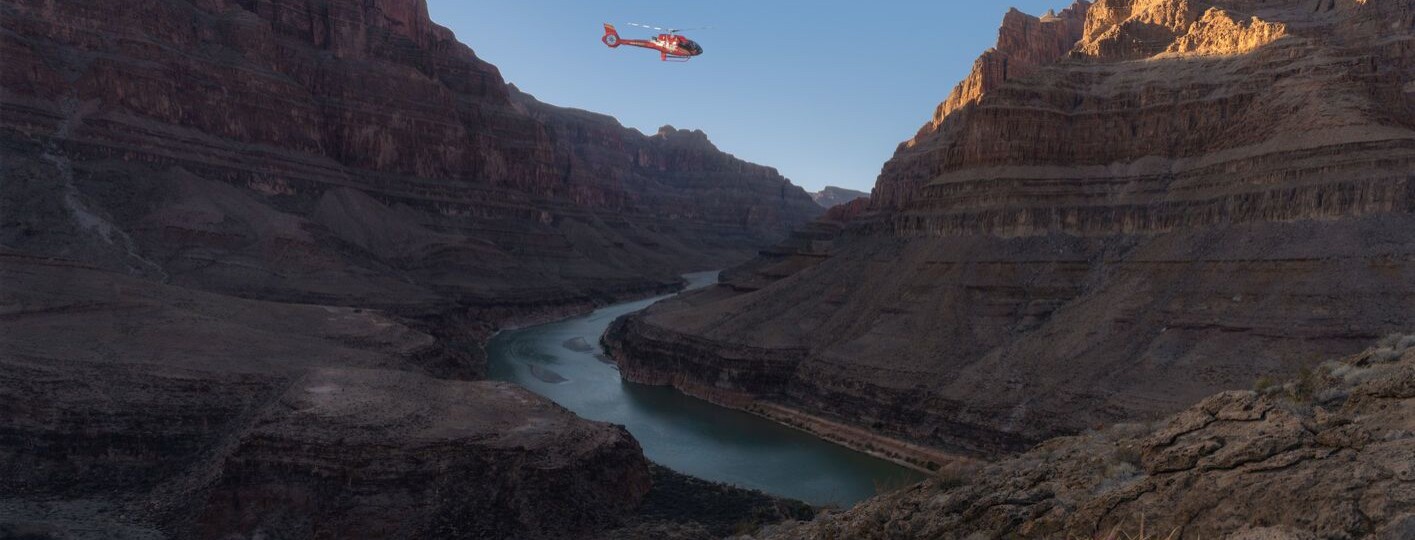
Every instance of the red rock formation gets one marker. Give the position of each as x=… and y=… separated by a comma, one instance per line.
x=849, y=211
x=1115, y=235
x=1024, y=43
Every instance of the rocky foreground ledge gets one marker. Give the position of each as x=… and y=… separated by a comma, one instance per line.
x=1327, y=455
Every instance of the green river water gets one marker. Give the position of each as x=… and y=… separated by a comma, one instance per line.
x=683, y=433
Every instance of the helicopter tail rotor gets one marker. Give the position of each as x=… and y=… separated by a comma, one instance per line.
x=611, y=36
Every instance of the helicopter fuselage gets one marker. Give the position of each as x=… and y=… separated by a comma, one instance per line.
x=671, y=47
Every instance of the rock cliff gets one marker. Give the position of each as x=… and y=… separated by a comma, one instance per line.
x=349, y=153
x=203, y=415
x=250, y=248
x=1323, y=456
x=1126, y=207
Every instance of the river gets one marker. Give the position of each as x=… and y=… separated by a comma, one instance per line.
x=563, y=361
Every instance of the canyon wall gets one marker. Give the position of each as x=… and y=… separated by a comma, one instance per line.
x=348, y=153
x=250, y=249
x=168, y=412
x=1125, y=207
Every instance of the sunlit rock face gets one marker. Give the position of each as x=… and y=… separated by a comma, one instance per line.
x=1183, y=198
x=831, y=196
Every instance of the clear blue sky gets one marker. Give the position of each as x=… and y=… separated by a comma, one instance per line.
x=821, y=90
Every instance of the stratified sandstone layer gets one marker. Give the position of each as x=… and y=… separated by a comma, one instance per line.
x=202, y=415
x=346, y=454
x=1126, y=207
x=1325, y=456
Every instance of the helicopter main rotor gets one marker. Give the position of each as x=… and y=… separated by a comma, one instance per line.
x=668, y=30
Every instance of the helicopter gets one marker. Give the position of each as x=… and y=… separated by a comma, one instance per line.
x=671, y=46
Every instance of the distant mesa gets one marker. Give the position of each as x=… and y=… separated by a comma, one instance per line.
x=832, y=195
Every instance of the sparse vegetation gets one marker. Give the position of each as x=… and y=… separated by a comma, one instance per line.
x=1383, y=356
x=1127, y=454
x=1328, y=382
x=1391, y=348
x=891, y=484
x=1118, y=533
x=1308, y=381
x=1264, y=384
x=1303, y=389
x=949, y=479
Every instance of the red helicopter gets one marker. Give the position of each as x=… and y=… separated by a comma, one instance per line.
x=671, y=47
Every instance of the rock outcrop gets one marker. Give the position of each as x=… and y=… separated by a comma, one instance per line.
x=203, y=415
x=1105, y=233
x=1024, y=43
x=1323, y=456
x=345, y=453
x=832, y=196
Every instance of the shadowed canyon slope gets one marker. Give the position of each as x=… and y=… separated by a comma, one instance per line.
x=1125, y=207
x=250, y=249
x=1323, y=456
x=346, y=152
x=201, y=415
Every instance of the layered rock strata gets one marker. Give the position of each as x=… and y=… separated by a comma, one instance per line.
x=1323, y=456
x=1108, y=232
x=347, y=153
x=202, y=415
x=250, y=250
x=471, y=460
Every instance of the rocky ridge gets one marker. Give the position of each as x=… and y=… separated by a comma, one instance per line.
x=1093, y=229
x=1323, y=456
